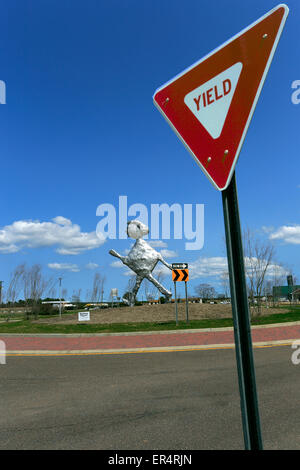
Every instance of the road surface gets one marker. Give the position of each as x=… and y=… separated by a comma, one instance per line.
x=155, y=400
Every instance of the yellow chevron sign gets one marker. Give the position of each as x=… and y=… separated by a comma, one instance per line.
x=180, y=275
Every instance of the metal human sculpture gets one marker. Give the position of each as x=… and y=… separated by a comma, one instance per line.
x=142, y=259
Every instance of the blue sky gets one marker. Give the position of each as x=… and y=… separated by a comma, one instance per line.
x=79, y=129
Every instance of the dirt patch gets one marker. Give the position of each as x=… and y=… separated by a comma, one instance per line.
x=154, y=313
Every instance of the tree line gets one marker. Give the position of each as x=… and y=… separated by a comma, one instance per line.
x=262, y=271
x=28, y=285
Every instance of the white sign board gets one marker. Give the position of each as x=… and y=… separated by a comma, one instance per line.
x=83, y=316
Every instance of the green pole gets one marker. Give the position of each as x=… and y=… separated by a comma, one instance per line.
x=176, y=311
x=241, y=319
x=186, y=304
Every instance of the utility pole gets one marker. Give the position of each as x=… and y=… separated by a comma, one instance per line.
x=1, y=282
x=60, y=296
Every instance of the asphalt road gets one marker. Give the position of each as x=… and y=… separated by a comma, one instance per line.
x=172, y=400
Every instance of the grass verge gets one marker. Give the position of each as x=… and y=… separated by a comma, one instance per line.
x=28, y=327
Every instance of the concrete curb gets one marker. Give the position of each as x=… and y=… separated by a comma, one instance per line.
x=196, y=347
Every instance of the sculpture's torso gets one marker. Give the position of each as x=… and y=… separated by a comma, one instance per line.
x=142, y=258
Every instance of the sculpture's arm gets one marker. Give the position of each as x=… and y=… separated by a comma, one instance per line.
x=114, y=253
x=165, y=263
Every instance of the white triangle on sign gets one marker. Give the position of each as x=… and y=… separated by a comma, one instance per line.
x=210, y=102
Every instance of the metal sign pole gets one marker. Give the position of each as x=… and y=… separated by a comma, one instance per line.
x=186, y=303
x=176, y=311
x=241, y=319
x=60, y=296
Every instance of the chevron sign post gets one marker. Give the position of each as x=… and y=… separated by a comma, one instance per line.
x=180, y=273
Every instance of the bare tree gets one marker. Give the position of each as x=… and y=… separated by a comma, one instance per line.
x=205, y=291
x=64, y=293
x=76, y=295
x=146, y=287
x=52, y=293
x=276, y=277
x=160, y=276
x=38, y=284
x=128, y=290
x=225, y=284
x=150, y=290
x=88, y=295
x=267, y=288
x=15, y=286
x=103, y=281
x=258, y=258
x=130, y=283
x=35, y=285
x=98, y=287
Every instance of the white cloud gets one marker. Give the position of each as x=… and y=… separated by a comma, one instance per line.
x=64, y=267
x=289, y=234
x=168, y=253
x=60, y=232
x=117, y=264
x=267, y=229
x=129, y=272
x=216, y=266
x=92, y=266
x=275, y=270
x=256, y=266
x=157, y=244
x=62, y=220
x=205, y=267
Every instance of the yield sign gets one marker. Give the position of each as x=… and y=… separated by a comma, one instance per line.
x=210, y=104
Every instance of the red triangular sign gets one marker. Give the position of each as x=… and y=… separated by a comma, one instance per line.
x=210, y=104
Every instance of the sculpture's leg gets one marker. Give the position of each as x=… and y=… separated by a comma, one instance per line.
x=159, y=286
x=138, y=281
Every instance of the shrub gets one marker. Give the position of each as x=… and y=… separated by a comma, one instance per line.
x=45, y=309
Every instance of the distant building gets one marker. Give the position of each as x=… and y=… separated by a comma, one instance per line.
x=296, y=294
x=56, y=303
x=286, y=292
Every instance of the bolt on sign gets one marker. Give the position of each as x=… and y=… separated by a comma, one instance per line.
x=210, y=104
x=180, y=275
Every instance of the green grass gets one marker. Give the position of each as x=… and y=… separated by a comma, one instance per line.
x=27, y=326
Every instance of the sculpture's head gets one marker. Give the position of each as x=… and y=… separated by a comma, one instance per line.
x=136, y=229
